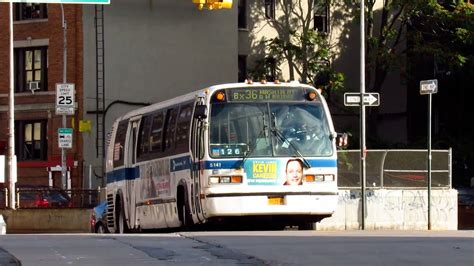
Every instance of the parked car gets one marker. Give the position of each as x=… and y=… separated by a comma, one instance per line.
x=30, y=196
x=99, y=218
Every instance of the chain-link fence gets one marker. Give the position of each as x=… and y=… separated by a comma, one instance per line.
x=395, y=169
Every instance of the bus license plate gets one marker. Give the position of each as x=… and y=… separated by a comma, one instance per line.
x=275, y=201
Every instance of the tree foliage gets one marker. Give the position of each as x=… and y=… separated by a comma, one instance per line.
x=443, y=31
x=307, y=52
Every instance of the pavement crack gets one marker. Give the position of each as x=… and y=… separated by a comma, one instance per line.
x=222, y=252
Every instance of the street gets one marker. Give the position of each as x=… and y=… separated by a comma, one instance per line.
x=245, y=248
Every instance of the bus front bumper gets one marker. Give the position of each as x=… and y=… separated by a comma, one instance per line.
x=272, y=203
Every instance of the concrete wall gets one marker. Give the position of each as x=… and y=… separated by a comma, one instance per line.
x=386, y=209
x=394, y=209
x=47, y=221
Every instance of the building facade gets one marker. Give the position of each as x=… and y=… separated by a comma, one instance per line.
x=152, y=51
x=38, y=67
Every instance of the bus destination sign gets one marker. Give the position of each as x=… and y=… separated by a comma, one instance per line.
x=265, y=94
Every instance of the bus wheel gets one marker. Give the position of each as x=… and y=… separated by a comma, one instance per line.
x=184, y=211
x=121, y=223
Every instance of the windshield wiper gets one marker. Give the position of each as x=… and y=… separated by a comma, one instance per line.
x=254, y=144
x=275, y=131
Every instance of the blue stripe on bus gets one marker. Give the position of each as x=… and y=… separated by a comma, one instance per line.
x=183, y=163
x=123, y=174
x=231, y=164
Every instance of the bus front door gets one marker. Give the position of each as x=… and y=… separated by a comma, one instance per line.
x=197, y=148
x=131, y=184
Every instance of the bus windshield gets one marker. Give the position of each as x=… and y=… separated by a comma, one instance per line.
x=269, y=129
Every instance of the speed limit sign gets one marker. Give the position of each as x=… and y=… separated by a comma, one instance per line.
x=65, y=99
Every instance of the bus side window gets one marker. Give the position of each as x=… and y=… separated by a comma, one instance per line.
x=119, y=143
x=156, y=134
x=182, y=128
x=144, y=138
x=170, y=130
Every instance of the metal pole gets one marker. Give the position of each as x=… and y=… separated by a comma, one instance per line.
x=362, y=109
x=429, y=161
x=11, y=123
x=63, y=151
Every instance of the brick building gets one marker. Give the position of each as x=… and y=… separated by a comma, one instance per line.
x=38, y=57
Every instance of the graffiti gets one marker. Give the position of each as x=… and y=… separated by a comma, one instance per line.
x=404, y=209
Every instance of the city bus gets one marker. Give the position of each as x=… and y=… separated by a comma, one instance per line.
x=231, y=152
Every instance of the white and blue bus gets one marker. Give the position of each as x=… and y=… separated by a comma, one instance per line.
x=262, y=152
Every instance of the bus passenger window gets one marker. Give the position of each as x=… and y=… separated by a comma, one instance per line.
x=119, y=143
x=156, y=133
x=144, y=138
x=170, y=129
x=182, y=128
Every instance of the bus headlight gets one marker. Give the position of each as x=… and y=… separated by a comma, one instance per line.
x=213, y=180
x=328, y=177
x=225, y=179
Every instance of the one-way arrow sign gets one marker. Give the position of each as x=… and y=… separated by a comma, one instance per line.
x=353, y=99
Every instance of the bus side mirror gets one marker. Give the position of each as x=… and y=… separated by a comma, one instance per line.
x=200, y=112
x=342, y=140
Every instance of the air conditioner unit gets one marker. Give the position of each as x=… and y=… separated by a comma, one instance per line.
x=33, y=86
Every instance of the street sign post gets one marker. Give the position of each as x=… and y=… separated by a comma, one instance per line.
x=65, y=99
x=362, y=99
x=353, y=99
x=65, y=138
x=429, y=87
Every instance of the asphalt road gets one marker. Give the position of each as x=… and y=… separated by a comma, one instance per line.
x=243, y=248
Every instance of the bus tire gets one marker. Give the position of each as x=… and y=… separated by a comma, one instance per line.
x=184, y=211
x=121, y=223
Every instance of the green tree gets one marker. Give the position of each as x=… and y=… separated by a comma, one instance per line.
x=443, y=31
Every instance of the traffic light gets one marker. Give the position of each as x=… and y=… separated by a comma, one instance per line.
x=213, y=4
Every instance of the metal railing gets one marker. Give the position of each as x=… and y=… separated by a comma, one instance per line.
x=395, y=169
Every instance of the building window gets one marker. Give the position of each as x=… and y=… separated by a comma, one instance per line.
x=31, y=140
x=28, y=11
x=242, y=68
x=321, y=18
x=31, y=69
x=270, y=9
x=242, y=15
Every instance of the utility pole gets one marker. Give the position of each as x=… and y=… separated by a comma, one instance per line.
x=362, y=111
x=11, y=161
